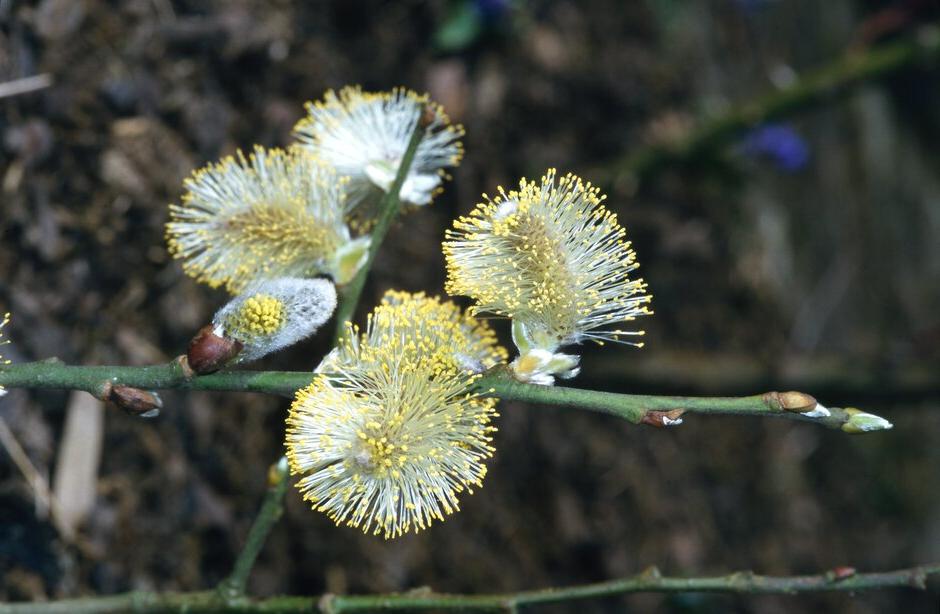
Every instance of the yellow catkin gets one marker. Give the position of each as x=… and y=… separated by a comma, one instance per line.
x=364, y=135
x=273, y=213
x=550, y=256
x=391, y=431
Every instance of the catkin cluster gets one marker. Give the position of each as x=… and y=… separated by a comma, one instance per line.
x=263, y=224
x=306, y=210
x=395, y=427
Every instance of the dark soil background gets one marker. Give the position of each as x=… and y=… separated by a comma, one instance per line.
x=808, y=259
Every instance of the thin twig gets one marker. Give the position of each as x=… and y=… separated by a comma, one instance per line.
x=25, y=85
x=96, y=380
x=841, y=579
x=232, y=588
x=349, y=296
x=823, y=85
x=637, y=408
x=668, y=410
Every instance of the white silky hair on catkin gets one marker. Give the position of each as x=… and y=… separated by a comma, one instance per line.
x=364, y=135
x=307, y=305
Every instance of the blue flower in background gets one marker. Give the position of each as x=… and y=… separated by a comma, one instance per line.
x=780, y=144
x=491, y=9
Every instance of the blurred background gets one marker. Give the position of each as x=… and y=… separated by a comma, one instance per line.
x=802, y=254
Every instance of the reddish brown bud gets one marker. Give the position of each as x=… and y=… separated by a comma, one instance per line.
x=673, y=417
x=428, y=115
x=209, y=352
x=841, y=573
x=135, y=401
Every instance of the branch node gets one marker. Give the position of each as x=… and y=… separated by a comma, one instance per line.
x=183, y=363
x=741, y=580
x=104, y=391
x=651, y=573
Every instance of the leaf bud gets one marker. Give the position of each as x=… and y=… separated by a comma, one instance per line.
x=659, y=419
x=135, y=401
x=861, y=422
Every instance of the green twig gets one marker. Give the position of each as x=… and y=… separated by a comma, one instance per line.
x=668, y=410
x=820, y=86
x=232, y=589
x=841, y=579
x=637, y=408
x=349, y=295
x=95, y=380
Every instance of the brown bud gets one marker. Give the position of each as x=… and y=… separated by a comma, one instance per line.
x=794, y=401
x=797, y=401
x=841, y=573
x=428, y=115
x=656, y=418
x=209, y=352
x=135, y=401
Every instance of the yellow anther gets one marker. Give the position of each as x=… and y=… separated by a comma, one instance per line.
x=259, y=315
x=403, y=402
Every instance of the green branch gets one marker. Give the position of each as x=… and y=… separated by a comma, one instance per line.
x=636, y=408
x=232, y=589
x=826, y=84
x=54, y=374
x=668, y=410
x=842, y=579
x=388, y=208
